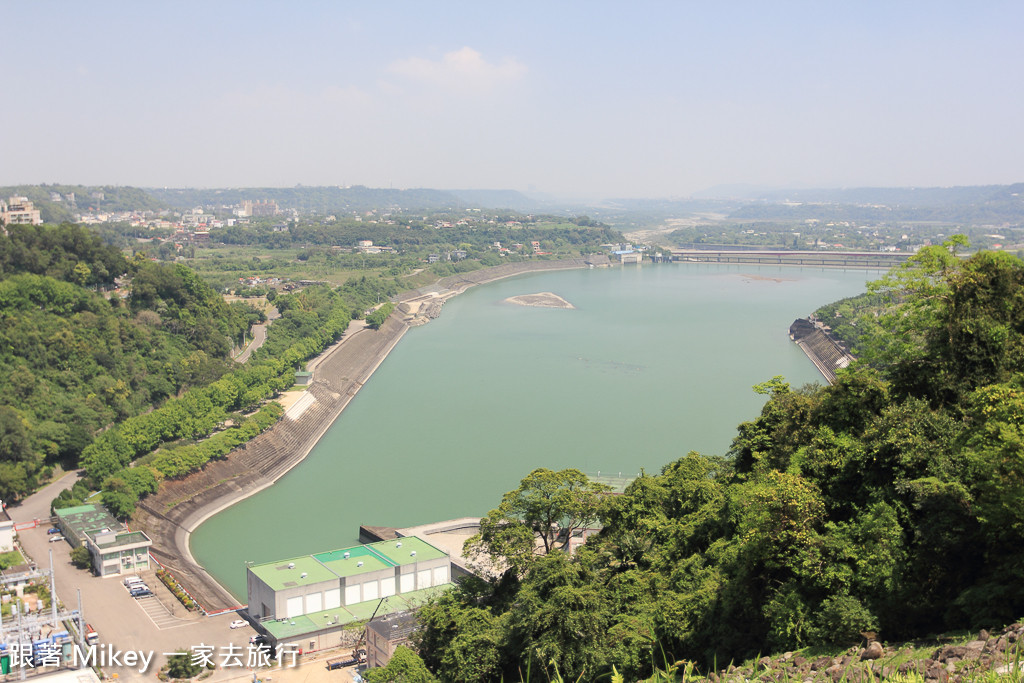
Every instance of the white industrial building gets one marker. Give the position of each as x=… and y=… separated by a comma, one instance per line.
x=312, y=598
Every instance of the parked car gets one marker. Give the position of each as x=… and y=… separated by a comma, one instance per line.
x=239, y=623
x=141, y=592
x=258, y=639
x=132, y=581
x=54, y=539
x=53, y=530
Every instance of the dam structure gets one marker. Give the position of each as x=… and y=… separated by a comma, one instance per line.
x=778, y=257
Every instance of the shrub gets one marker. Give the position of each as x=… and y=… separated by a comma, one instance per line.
x=80, y=557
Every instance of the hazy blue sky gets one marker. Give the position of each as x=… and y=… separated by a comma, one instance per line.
x=571, y=98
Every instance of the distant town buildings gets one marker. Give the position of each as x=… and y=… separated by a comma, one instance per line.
x=19, y=211
x=248, y=208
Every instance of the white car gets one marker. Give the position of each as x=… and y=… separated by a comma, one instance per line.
x=239, y=623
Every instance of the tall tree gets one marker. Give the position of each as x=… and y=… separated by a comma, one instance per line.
x=540, y=516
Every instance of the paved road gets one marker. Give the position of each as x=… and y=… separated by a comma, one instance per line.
x=37, y=506
x=259, y=335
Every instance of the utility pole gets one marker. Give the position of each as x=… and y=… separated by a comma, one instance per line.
x=53, y=592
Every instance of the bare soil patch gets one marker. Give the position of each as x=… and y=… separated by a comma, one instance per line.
x=540, y=300
x=766, y=278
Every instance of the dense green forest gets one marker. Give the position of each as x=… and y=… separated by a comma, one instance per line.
x=97, y=380
x=891, y=501
x=76, y=361
x=207, y=422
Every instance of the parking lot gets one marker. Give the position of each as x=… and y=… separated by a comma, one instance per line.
x=157, y=623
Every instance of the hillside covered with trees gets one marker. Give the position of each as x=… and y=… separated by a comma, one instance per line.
x=76, y=360
x=138, y=386
x=891, y=501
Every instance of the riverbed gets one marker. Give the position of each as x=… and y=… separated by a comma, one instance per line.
x=652, y=362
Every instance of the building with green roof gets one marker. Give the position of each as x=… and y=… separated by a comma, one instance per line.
x=311, y=584
x=115, y=549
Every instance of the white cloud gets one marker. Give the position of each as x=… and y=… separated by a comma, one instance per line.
x=461, y=70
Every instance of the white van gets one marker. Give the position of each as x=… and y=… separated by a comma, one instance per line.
x=133, y=581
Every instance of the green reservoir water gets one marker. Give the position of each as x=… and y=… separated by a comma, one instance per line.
x=653, y=362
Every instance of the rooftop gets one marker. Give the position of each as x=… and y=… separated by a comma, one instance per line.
x=284, y=629
x=122, y=539
x=395, y=627
x=333, y=564
x=298, y=571
x=359, y=561
x=84, y=519
x=406, y=550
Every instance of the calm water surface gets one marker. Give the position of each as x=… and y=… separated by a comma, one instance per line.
x=653, y=362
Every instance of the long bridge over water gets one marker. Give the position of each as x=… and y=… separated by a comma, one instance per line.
x=837, y=259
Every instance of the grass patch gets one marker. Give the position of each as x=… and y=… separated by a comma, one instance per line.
x=11, y=559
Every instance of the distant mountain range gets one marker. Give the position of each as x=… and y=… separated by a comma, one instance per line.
x=333, y=199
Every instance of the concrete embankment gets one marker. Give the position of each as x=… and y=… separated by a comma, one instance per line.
x=170, y=516
x=180, y=506
x=454, y=284
x=826, y=353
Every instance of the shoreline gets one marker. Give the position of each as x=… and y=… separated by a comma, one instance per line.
x=181, y=506
x=230, y=499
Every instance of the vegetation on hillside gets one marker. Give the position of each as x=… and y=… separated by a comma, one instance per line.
x=892, y=501
x=75, y=361
x=97, y=380
x=187, y=429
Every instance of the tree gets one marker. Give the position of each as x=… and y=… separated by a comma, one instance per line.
x=459, y=637
x=405, y=666
x=562, y=617
x=80, y=557
x=180, y=665
x=119, y=498
x=377, y=318
x=15, y=481
x=14, y=442
x=538, y=517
